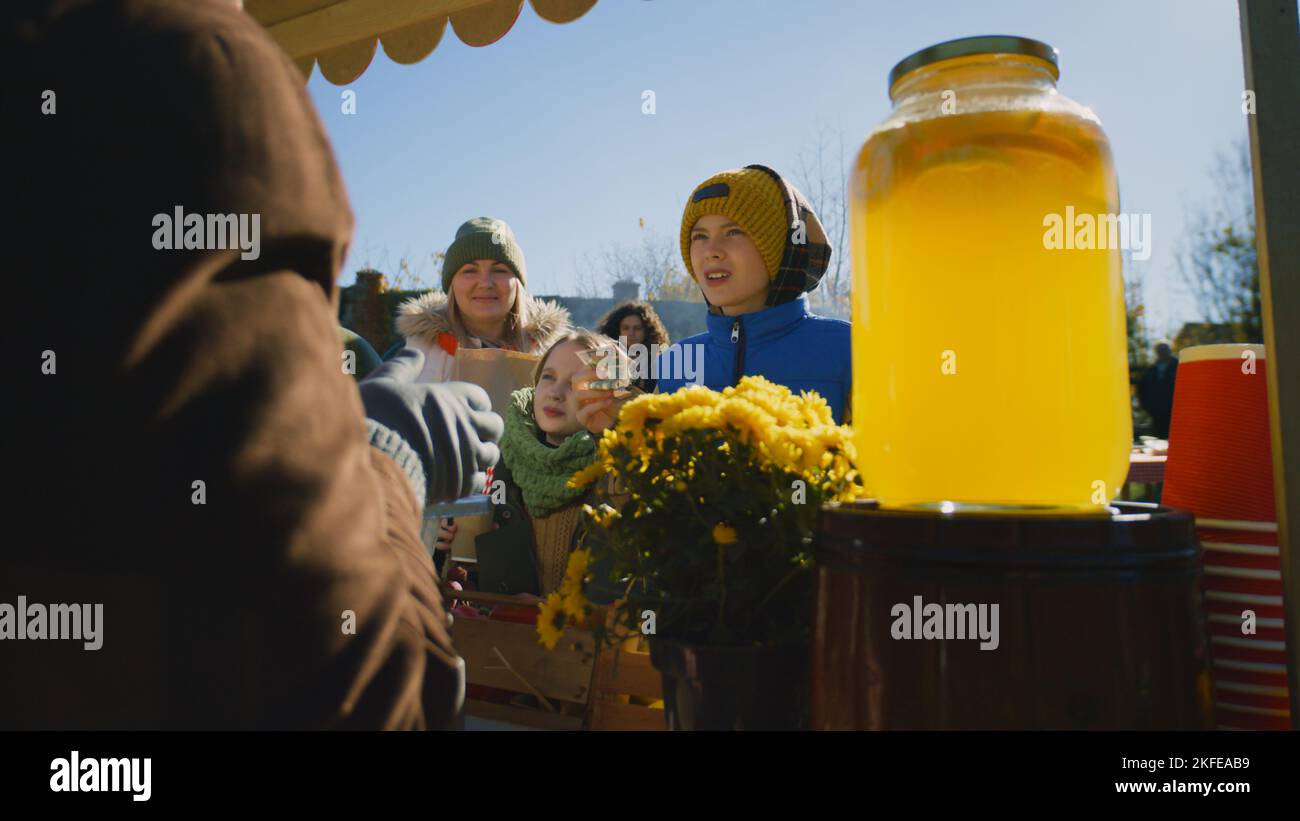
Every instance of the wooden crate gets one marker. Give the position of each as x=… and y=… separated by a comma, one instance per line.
x=506, y=656
x=625, y=672
x=583, y=689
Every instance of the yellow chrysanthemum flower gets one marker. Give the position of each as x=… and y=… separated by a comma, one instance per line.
x=757, y=424
x=576, y=571
x=587, y=475
x=574, y=605
x=772, y=406
x=551, y=621
x=632, y=417
x=742, y=434
x=603, y=516
x=700, y=417
x=746, y=417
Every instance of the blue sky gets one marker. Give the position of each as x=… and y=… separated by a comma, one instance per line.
x=544, y=128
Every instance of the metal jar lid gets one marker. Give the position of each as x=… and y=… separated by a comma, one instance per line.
x=987, y=44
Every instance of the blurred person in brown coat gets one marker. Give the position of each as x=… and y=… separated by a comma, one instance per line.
x=185, y=447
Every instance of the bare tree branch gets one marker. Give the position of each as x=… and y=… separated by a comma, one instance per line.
x=1216, y=257
x=822, y=176
x=654, y=265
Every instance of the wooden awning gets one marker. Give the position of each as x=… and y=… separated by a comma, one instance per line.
x=342, y=35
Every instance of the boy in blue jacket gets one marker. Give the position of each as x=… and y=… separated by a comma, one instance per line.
x=755, y=247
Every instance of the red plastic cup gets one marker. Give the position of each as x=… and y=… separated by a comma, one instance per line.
x=1221, y=469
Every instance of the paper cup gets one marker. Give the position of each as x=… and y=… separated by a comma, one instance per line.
x=1220, y=468
x=1220, y=457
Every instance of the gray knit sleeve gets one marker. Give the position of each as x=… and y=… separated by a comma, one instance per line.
x=389, y=442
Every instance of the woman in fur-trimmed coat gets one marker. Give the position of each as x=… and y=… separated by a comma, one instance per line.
x=484, y=303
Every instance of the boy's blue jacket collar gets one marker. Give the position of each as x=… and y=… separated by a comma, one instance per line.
x=786, y=343
x=760, y=325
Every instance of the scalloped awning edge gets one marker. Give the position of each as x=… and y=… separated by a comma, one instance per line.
x=343, y=36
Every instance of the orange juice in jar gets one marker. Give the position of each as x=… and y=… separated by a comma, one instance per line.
x=989, y=349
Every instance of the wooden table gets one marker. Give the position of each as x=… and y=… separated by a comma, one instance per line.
x=1146, y=467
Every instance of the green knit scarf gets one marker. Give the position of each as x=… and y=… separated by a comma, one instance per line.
x=542, y=471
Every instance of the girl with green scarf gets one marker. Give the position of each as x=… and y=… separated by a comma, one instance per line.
x=547, y=439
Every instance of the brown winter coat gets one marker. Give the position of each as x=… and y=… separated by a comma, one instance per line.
x=179, y=367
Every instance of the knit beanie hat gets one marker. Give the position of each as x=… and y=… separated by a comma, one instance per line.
x=775, y=215
x=483, y=238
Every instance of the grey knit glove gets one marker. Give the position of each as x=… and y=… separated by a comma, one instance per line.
x=443, y=435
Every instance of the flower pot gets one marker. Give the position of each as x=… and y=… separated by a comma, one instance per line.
x=733, y=688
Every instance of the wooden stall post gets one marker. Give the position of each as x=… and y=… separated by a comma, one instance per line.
x=1270, y=41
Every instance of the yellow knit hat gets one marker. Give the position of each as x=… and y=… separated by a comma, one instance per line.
x=752, y=199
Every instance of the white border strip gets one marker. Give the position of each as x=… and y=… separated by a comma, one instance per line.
x=1238, y=524
x=1259, y=711
x=1229, y=618
x=1244, y=549
x=1251, y=689
x=1243, y=598
x=1219, y=350
x=1250, y=666
x=1242, y=572
x=1250, y=644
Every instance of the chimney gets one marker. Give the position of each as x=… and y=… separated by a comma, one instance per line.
x=371, y=281
x=626, y=290
x=369, y=317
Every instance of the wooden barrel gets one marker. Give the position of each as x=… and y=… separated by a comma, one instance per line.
x=1099, y=621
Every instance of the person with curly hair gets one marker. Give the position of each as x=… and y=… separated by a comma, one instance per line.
x=636, y=323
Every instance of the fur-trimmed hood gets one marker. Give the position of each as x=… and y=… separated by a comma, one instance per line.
x=425, y=317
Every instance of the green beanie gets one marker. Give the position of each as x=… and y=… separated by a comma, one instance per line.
x=483, y=238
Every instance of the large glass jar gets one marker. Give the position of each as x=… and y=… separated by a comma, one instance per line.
x=989, y=342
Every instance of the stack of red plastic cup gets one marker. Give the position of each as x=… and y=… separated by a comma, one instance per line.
x=1221, y=469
